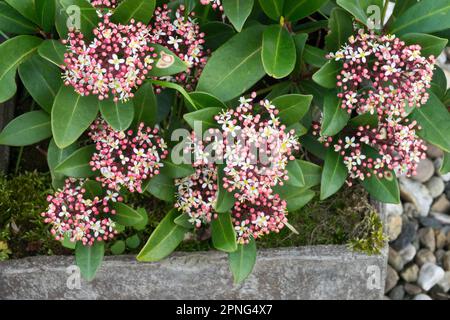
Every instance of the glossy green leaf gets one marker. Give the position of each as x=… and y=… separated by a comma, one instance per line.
x=340, y=25
x=176, y=171
x=139, y=10
x=237, y=11
x=445, y=168
x=314, y=56
x=360, y=8
x=180, y=89
x=205, y=117
x=216, y=34
x=183, y=221
x=295, y=174
x=55, y=156
x=292, y=107
x=295, y=197
x=26, y=129
x=326, y=76
x=426, y=16
x=334, y=174
x=162, y=187
x=70, y=10
x=439, y=83
x=133, y=242
x=26, y=8
x=272, y=8
x=145, y=106
x=167, y=63
x=434, y=119
x=334, y=117
x=243, y=260
x=13, y=22
x=53, y=51
x=164, y=240
x=363, y=120
x=278, y=52
x=312, y=173
x=310, y=143
x=93, y=189
x=298, y=9
x=223, y=234
x=118, y=247
x=89, y=258
x=119, y=115
x=243, y=67
x=45, y=13
x=144, y=218
x=67, y=243
x=431, y=45
x=13, y=52
x=41, y=79
x=205, y=100
x=225, y=199
x=77, y=164
x=72, y=114
x=126, y=215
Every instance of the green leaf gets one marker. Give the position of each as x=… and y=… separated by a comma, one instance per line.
x=223, y=234
x=45, y=12
x=359, y=8
x=28, y=128
x=334, y=117
x=426, y=16
x=310, y=143
x=144, y=218
x=334, y=174
x=88, y=16
x=203, y=116
x=66, y=243
x=298, y=9
x=41, y=79
x=431, y=45
x=445, y=168
x=139, y=10
x=93, y=189
x=13, y=22
x=53, y=51
x=312, y=173
x=295, y=174
x=401, y=6
x=13, y=52
x=77, y=164
x=55, y=156
x=205, y=100
x=216, y=34
x=237, y=11
x=72, y=114
x=243, y=67
x=177, y=87
x=326, y=76
x=183, y=221
x=167, y=63
x=145, y=106
x=162, y=187
x=118, y=247
x=439, y=83
x=272, y=8
x=119, y=115
x=89, y=258
x=278, y=52
x=26, y=8
x=126, y=215
x=314, y=56
x=225, y=199
x=133, y=242
x=292, y=107
x=296, y=198
x=164, y=240
x=363, y=120
x=243, y=260
x=176, y=171
x=340, y=25
x=434, y=120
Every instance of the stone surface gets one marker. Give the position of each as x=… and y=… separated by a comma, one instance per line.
x=412, y=289
x=395, y=260
x=425, y=170
x=398, y=293
x=441, y=217
x=427, y=238
x=416, y=193
x=441, y=204
x=394, y=209
x=408, y=253
x=446, y=261
x=318, y=272
x=441, y=238
x=424, y=256
x=444, y=283
x=410, y=273
x=393, y=226
x=422, y=296
x=435, y=186
x=429, y=275
x=391, y=279
x=406, y=236
x=434, y=152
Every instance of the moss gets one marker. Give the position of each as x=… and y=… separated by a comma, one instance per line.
x=368, y=236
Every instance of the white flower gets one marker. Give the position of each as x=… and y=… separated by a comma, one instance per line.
x=349, y=142
x=175, y=42
x=116, y=61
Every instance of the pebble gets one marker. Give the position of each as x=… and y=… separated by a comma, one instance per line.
x=394, y=209
x=424, y=256
x=398, y=293
x=446, y=261
x=422, y=296
x=429, y=275
x=425, y=170
x=430, y=222
x=439, y=254
x=410, y=210
x=410, y=274
x=434, y=152
x=441, y=238
x=427, y=238
x=441, y=204
x=393, y=226
x=416, y=193
x=444, y=283
x=407, y=236
x=395, y=260
x=441, y=217
x=408, y=253
x=435, y=186
x=391, y=279
x=446, y=177
x=412, y=289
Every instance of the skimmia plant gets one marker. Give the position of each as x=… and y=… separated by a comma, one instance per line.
x=236, y=113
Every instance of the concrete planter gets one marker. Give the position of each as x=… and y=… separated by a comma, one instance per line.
x=316, y=272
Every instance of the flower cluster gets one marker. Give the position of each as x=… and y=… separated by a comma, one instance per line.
x=182, y=36
x=72, y=214
x=385, y=78
x=104, y=3
x=215, y=4
x=113, y=64
x=126, y=159
x=257, y=149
